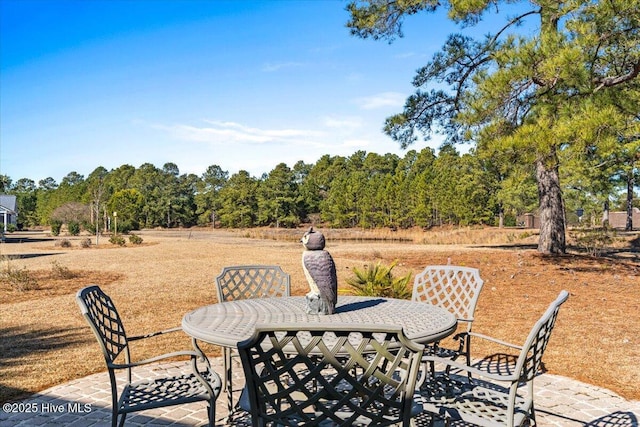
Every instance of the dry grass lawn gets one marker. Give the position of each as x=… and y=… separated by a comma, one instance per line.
x=44, y=341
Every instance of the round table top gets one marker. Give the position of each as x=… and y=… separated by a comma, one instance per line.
x=228, y=323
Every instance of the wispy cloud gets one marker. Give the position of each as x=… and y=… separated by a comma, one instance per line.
x=348, y=123
x=270, y=67
x=220, y=132
x=385, y=99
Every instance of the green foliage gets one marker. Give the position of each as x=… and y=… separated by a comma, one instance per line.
x=238, y=200
x=135, y=239
x=129, y=205
x=55, y=227
x=74, y=228
x=378, y=280
x=117, y=240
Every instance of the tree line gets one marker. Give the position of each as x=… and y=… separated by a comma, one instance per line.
x=420, y=189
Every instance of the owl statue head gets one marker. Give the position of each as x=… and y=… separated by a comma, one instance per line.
x=313, y=240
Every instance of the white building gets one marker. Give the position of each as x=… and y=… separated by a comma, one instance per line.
x=8, y=210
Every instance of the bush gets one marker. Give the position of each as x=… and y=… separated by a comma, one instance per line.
x=593, y=240
x=124, y=226
x=19, y=280
x=135, y=239
x=117, y=240
x=65, y=243
x=378, y=281
x=55, y=227
x=61, y=272
x=74, y=228
x=85, y=243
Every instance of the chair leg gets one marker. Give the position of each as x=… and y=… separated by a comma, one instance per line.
x=122, y=417
x=532, y=417
x=228, y=378
x=212, y=413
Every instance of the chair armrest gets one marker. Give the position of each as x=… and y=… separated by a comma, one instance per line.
x=495, y=340
x=470, y=369
x=155, y=359
x=153, y=334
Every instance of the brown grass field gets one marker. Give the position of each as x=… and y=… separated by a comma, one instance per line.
x=44, y=340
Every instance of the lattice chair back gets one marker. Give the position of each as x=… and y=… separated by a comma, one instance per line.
x=530, y=358
x=101, y=314
x=198, y=383
x=252, y=281
x=314, y=376
x=452, y=287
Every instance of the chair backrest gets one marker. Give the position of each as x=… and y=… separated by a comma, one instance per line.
x=305, y=374
x=252, y=281
x=101, y=314
x=530, y=357
x=449, y=286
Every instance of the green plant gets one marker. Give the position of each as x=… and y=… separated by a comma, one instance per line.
x=378, y=280
x=135, y=239
x=117, y=240
x=74, y=228
x=55, y=227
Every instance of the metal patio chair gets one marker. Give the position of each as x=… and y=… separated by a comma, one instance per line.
x=312, y=376
x=456, y=289
x=493, y=398
x=244, y=282
x=201, y=383
x=252, y=281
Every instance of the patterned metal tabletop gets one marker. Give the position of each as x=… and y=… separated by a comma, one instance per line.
x=228, y=323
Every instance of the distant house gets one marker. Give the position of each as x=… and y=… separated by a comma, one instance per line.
x=619, y=219
x=8, y=210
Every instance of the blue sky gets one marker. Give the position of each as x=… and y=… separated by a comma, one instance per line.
x=239, y=84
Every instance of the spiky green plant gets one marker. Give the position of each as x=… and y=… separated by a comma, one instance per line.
x=377, y=280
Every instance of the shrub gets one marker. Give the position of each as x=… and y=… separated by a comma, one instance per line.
x=55, y=227
x=11, y=228
x=85, y=243
x=117, y=240
x=74, y=228
x=135, y=239
x=593, y=240
x=65, y=243
x=61, y=272
x=378, y=280
x=19, y=280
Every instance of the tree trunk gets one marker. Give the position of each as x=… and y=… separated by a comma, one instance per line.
x=552, y=219
x=630, y=182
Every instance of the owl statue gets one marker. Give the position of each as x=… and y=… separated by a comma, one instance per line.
x=320, y=271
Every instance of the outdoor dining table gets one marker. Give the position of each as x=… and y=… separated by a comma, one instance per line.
x=228, y=323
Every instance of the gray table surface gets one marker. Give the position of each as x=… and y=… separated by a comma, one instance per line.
x=228, y=323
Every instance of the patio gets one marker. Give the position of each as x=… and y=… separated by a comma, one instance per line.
x=86, y=402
